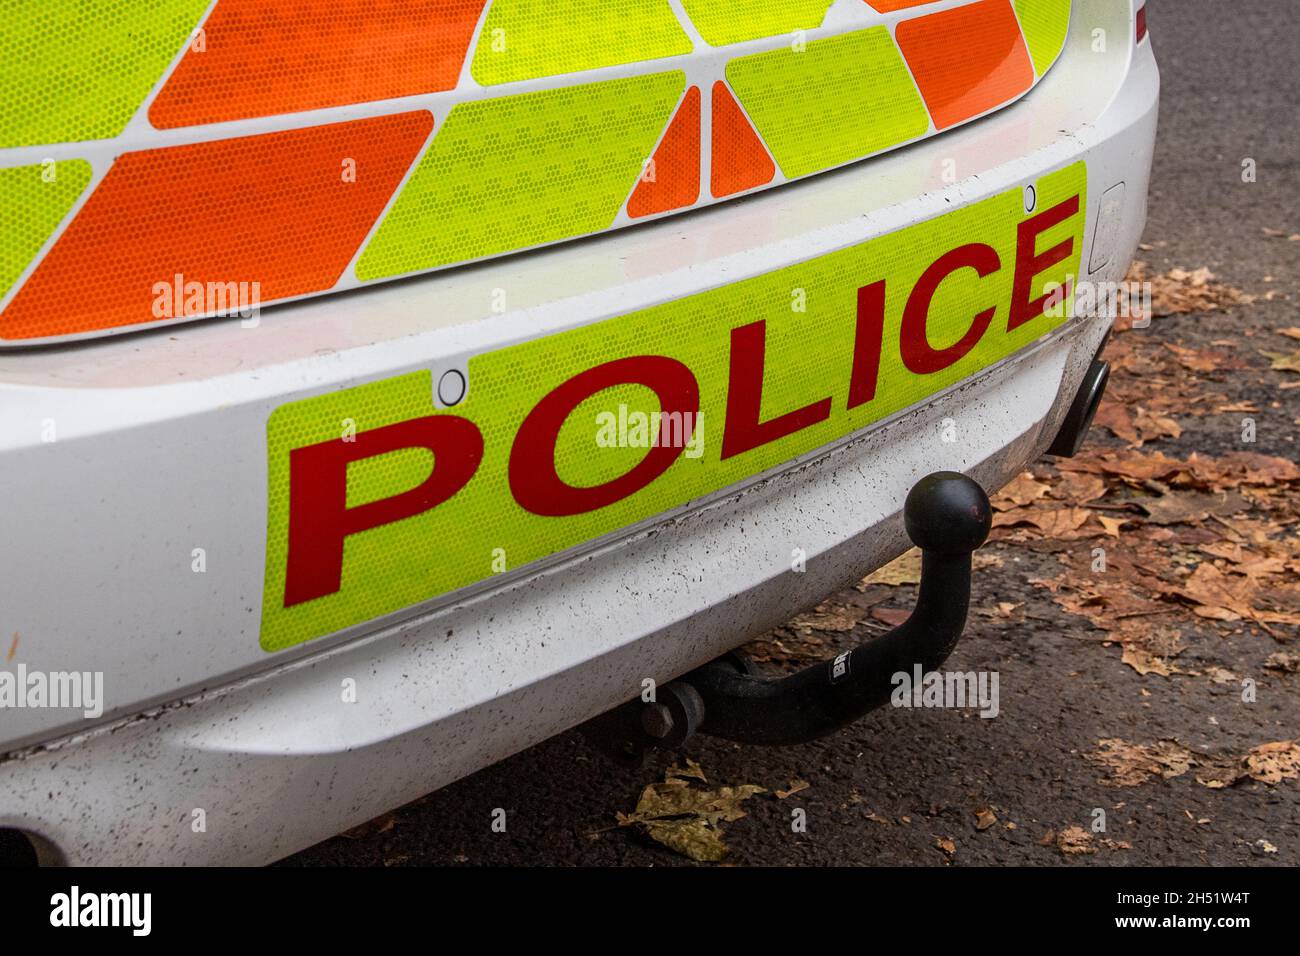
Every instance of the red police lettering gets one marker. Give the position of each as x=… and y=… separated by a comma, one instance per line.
x=743, y=430
x=867, y=338
x=917, y=353
x=533, y=479
x=1029, y=265
x=319, y=517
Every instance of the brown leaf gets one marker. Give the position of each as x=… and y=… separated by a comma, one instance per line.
x=1244, y=561
x=1130, y=765
x=1133, y=466
x=692, y=771
x=796, y=786
x=947, y=846
x=1078, y=488
x=889, y=615
x=1269, y=763
x=1283, y=661
x=905, y=569
x=1075, y=841
x=1220, y=597
x=1195, y=360
x=1283, y=361
x=1274, y=762
x=1153, y=426
x=829, y=617
x=1119, y=420
x=1112, y=525
x=808, y=649
x=1188, y=507
x=985, y=818
x=687, y=819
x=1021, y=490
x=1143, y=661
x=1052, y=522
x=380, y=824
x=1180, y=291
x=1241, y=468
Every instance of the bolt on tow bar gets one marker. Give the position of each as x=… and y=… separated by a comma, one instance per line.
x=948, y=516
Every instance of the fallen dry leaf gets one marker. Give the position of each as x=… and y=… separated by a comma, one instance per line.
x=380, y=824
x=1152, y=425
x=1221, y=597
x=1221, y=675
x=796, y=786
x=1143, y=661
x=686, y=818
x=829, y=617
x=1283, y=661
x=1240, y=468
x=985, y=818
x=1180, y=291
x=1052, y=522
x=1283, y=361
x=1112, y=525
x=1078, y=488
x=1187, y=507
x=1118, y=419
x=1021, y=490
x=1130, y=765
x=1274, y=762
x=692, y=771
x=1132, y=466
x=1196, y=360
x=890, y=615
x=1075, y=841
x=905, y=569
x=1269, y=763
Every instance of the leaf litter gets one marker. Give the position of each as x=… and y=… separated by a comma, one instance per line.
x=687, y=818
x=1206, y=538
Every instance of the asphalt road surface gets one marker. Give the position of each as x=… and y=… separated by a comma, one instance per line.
x=944, y=787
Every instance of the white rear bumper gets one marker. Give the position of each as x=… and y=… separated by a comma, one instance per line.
x=275, y=758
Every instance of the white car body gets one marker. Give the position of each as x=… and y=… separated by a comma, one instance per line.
x=161, y=450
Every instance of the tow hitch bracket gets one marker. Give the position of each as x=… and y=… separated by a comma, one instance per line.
x=948, y=516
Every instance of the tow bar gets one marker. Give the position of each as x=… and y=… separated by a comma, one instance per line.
x=948, y=516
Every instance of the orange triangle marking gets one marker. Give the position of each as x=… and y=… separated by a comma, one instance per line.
x=673, y=179
x=740, y=161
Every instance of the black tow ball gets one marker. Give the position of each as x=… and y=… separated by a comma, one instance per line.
x=947, y=516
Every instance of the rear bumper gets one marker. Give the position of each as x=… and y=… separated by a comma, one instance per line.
x=160, y=434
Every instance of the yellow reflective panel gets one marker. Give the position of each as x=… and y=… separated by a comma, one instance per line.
x=1044, y=24
x=840, y=99
x=73, y=70
x=518, y=171
x=523, y=39
x=35, y=199
x=378, y=500
x=733, y=21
